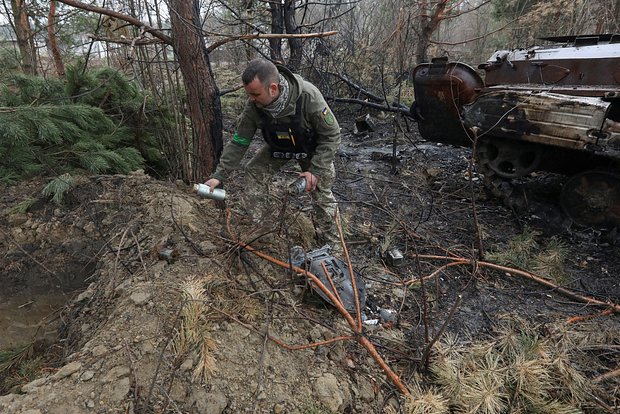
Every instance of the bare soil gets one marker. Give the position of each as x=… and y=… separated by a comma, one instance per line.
x=120, y=251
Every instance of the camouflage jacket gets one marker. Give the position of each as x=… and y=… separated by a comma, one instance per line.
x=316, y=115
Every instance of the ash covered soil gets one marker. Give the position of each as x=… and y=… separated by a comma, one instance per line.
x=166, y=314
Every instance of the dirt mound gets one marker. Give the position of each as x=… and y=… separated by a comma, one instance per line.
x=148, y=240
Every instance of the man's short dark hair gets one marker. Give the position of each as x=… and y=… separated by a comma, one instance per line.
x=264, y=70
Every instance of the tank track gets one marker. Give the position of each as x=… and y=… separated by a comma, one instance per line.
x=592, y=198
x=495, y=163
x=511, y=195
x=588, y=198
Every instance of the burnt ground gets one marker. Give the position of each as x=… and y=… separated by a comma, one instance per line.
x=125, y=247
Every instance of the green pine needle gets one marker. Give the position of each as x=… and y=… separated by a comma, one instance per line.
x=58, y=187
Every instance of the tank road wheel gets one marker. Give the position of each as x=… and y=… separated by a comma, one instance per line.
x=501, y=160
x=509, y=159
x=592, y=198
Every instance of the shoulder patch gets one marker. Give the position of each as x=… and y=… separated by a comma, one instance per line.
x=327, y=116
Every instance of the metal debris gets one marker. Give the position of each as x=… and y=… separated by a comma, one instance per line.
x=338, y=271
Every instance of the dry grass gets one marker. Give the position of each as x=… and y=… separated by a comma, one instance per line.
x=192, y=336
x=516, y=370
x=519, y=250
x=550, y=261
x=201, y=296
x=524, y=252
x=25, y=372
x=227, y=297
x=18, y=366
x=429, y=401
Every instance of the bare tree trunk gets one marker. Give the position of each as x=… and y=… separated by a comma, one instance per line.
x=249, y=10
x=25, y=39
x=277, y=27
x=283, y=20
x=203, y=95
x=60, y=67
x=421, y=46
x=428, y=25
x=295, y=45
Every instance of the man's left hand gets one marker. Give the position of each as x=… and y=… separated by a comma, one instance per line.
x=311, y=180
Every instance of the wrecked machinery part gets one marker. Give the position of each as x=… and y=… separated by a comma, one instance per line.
x=364, y=124
x=338, y=271
x=552, y=108
x=394, y=257
x=298, y=186
x=592, y=198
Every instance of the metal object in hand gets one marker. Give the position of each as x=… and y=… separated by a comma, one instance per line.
x=298, y=186
x=204, y=191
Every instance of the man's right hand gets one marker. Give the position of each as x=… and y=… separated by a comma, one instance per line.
x=212, y=183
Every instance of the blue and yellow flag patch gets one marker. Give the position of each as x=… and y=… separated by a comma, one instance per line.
x=327, y=116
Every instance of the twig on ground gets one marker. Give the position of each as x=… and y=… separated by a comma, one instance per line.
x=261, y=370
x=192, y=244
x=117, y=259
x=142, y=408
x=429, y=346
x=354, y=324
x=581, y=318
x=511, y=271
x=358, y=311
x=607, y=375
x=140, y=254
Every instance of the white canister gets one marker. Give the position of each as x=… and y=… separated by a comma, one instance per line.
x=204, y=191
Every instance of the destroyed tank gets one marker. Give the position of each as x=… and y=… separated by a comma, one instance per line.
x=549, y=108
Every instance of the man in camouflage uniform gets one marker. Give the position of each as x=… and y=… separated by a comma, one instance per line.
x=297, y=124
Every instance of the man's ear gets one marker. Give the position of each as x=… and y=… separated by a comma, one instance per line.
x=273, y=89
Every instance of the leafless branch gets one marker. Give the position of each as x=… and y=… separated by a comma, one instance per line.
x=468, y=10
x=357, y=87
x=101, y=10
x=401, y=109
x=127, y=41
x=267, y=36
x=473, y=38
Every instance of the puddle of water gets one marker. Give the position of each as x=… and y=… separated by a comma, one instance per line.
x=22, y=315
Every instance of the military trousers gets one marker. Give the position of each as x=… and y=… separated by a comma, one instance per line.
x=258, y=175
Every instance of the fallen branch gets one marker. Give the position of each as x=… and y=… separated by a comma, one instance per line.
x=401, y=109
x=358, y=88
x=582, y=318
x=354, y=324
x=511, y=271
x=607, y=375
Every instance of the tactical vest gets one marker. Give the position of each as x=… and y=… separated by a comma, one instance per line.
x=288, y=140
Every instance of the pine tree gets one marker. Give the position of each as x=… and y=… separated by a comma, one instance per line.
x=92, y=122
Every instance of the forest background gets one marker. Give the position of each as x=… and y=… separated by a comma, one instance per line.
x=93, y=89
x=111, y=86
